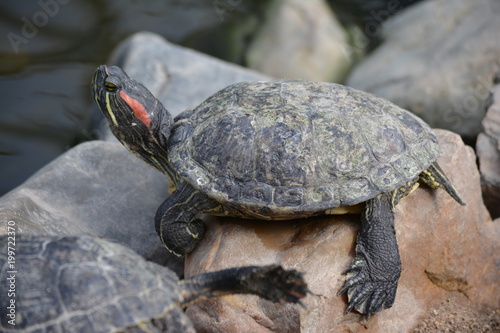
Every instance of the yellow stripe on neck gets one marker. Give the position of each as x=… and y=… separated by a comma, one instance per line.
x=110, y=111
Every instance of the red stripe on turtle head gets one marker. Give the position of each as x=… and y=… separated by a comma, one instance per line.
x=136, y=106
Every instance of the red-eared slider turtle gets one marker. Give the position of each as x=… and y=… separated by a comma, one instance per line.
x=282, y=150
x=87, y=284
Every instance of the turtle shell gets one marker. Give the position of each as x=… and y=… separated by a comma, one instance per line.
x=293, y=147
x=85, y=284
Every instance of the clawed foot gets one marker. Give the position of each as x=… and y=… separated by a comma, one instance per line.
x=366, y=294
x=277, y=284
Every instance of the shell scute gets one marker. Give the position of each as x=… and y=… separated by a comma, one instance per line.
x=258, y=193
x=289, y=196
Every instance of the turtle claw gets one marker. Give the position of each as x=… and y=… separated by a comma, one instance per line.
x=277, y=284
x=358, y=264
x=365, y=295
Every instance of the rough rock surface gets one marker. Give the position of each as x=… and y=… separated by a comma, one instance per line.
x=98, y=189
x=488, y=152
x=301, y=40
x=458, y=314
x=437, y=59
x=445, y=248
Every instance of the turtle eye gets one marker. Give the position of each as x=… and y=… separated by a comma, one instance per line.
x=110, y=86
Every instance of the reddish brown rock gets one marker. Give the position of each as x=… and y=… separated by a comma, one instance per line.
x=488, y=152
x=458, y=314
x=445, y=249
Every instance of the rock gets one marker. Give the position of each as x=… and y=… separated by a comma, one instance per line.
x=179, y=77
x=302, y=40
x=98, y=189
x=489, y=162
x=445, y=249
x=458, y=314
x=437, y=60
x=488, y=152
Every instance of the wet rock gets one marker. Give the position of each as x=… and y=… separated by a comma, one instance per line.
x=303, y=40
x=97, y=188
x=488, y=152
x=445, y=249
x=437, y=59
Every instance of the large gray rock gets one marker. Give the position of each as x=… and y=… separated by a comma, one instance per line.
x=97, y=188
x=445, y=248
x=488, y=152
x=437, y=59
x=301, y=40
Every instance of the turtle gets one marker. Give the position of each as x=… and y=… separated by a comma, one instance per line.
x=88, y=284
x=281, y=150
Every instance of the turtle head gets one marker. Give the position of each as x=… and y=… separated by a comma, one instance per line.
x=137, y=119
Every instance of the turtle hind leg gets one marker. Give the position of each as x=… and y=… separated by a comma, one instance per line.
x=270, y=282
x=175, y=220
x=435, y=177
x=374, y=273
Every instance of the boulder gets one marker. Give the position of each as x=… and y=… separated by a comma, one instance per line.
x=488, y=153
x=301, y=40
x=459, y=314
x=437, y=59
x=97, y=188
x=445, y=248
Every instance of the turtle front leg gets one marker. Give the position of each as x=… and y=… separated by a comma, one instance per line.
x=375, y=270
x=175, y=220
